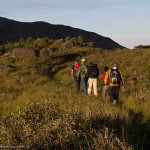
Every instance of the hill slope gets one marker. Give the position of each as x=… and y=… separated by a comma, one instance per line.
x=56, y=117
x=11, y=30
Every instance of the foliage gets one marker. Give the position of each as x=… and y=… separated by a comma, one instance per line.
x=43, y=126
x=80, y=39
x=142, y=47
x=67, y=38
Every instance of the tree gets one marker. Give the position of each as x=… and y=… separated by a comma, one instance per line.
x=80, y=39
x=142, y=47
x=67, y=38
x=2, y=49
x=74, y=40
x=22, y=43
x=9, y=46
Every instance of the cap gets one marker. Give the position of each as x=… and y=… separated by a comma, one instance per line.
x=83, y=60
x=114, y=64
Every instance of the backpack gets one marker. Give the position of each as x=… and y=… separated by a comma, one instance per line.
x=115, y=77
x=76, y=69
x=84, y=71
x=94, y=72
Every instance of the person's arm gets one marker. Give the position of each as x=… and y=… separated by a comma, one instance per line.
x=122, y=79
x=97, y=72
x=103, y=77
x=72, y=73
x=106, y=77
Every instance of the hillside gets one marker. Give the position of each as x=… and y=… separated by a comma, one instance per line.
x=11, y=31
x=39, y=105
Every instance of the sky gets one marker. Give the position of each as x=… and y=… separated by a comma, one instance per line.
x=127, y=22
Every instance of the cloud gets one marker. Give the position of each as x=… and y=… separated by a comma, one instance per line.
x=60, y=6
x=2, y=13
x=130, y=41
x=32, y=5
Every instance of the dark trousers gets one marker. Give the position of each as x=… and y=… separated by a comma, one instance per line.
x=77, y=83
x=113, y=92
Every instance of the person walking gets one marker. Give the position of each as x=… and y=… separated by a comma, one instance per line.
x=105, y=88
x=74, y=71
x=115, y=81
x=83, y=73
x=93, y=74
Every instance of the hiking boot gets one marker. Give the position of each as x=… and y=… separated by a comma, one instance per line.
x=114, y=102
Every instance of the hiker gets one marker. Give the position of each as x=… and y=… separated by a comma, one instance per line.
x=74, y=71
x=83, y=73
x=105, y=88
x=93, y=74
x=115, y=81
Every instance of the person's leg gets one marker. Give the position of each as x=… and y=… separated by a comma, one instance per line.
x=117, y=93
x=111, y=92
x=77, y=83
x=84, y=85
x=105, y=89
x=86, y=80
x=95, y=87
x=90, y=86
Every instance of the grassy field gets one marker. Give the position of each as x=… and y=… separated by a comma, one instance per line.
x=39, y=105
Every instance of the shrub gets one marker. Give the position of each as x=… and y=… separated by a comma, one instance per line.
x=43, y=126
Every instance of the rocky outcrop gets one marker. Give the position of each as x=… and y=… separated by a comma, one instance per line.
x=67, y=45
x=24, y=52
x=59, y=41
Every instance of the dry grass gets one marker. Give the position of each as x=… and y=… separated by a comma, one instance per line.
x=40, y=107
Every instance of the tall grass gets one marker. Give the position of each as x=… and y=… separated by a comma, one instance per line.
x=39, y=105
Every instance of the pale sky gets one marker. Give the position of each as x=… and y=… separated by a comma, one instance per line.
x=127, y=22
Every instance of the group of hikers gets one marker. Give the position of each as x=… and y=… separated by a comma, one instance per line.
x=112, y=79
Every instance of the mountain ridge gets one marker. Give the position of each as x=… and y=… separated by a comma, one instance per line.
x=11, y=31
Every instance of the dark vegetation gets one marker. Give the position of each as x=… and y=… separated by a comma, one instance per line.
x=142, y=47
x=12, y=31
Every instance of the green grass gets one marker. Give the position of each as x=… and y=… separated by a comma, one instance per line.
x=40, y=87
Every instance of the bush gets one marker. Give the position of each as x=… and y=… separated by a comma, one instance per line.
x=44, y=126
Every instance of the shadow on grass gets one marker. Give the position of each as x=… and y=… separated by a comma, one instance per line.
x=134, y=131
x=60, y=63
